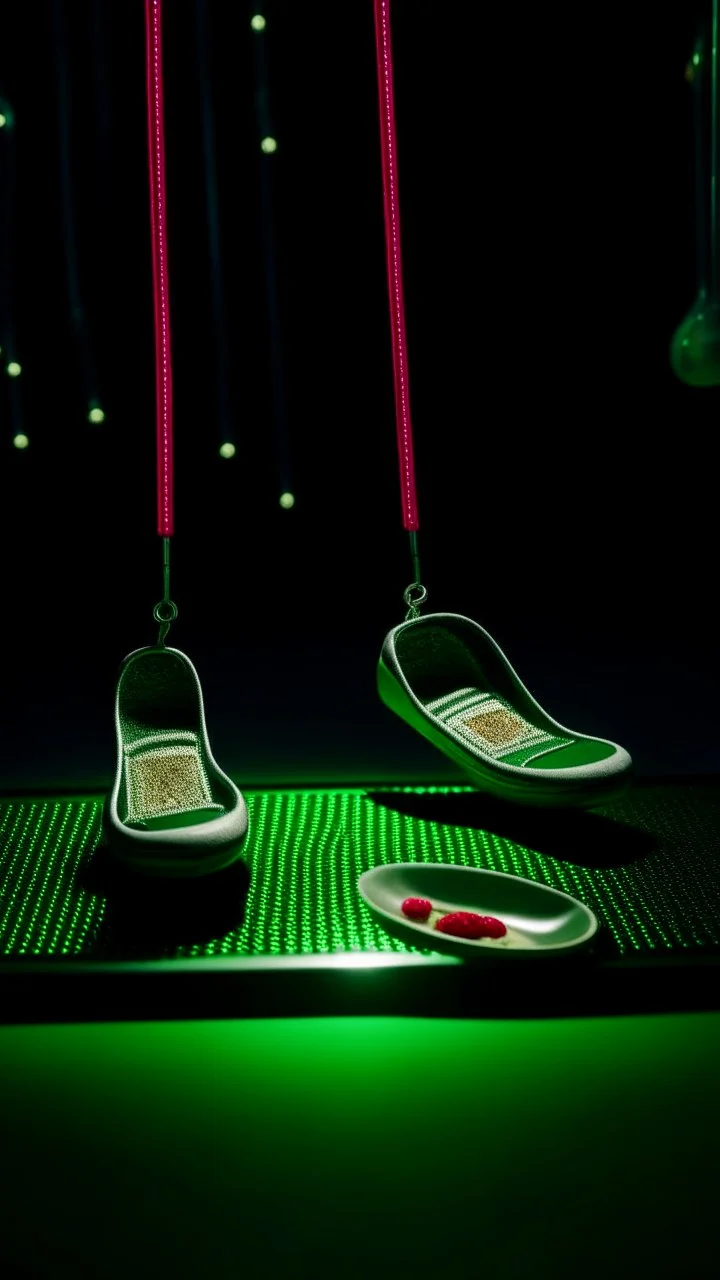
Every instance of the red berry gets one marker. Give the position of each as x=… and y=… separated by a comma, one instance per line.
x=417, y=909
x=494, y=928
x=467, y=924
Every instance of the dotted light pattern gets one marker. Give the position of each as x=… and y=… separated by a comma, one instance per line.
x=306, y=850
x=43, y=847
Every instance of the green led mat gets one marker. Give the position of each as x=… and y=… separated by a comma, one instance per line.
x=648, y=865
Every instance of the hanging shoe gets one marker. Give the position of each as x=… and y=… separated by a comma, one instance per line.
x=171, y=811
x=448, y=679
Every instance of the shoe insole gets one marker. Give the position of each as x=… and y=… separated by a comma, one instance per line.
x=164, y=781
x=490, y=724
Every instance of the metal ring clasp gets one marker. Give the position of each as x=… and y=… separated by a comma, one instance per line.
x=414, y=596
x=164, y=613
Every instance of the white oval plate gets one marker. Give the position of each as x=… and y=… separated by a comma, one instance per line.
x=539, y=920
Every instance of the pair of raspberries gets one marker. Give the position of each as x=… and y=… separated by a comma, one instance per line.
x=460, y=924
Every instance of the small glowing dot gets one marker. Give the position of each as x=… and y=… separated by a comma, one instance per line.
x=14, y=369
x=96, y=414
x=21, y=441
x=287, y=500
x=268, y=145
x=257, y=22
x=3, y=120
x=227, y=450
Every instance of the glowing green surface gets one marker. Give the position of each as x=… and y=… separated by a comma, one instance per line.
x=362, y=1147
x=306, y=850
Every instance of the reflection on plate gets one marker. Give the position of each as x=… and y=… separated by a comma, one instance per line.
x=539, y=920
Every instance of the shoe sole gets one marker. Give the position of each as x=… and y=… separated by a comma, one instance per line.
x=174, y=868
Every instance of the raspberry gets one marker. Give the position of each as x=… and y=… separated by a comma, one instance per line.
x=467, y=924
x=417, y=909
x=494, y=928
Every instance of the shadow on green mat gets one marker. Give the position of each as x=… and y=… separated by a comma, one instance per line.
x=151, y=918
x=586, y=838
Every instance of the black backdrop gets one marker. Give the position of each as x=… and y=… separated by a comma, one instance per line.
x=567, y=481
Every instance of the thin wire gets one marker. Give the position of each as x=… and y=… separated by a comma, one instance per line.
x=68, y=205
x=7, y=334
x=700, y=161
x=77, y=309
x=161, y=290
x=394, y=265
x=267, y=229
x=213, y=221
x=7, y=173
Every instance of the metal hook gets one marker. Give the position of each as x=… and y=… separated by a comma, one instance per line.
x=413, y=602
x=165, y=612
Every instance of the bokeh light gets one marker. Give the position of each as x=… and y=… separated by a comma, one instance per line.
x=268, y=145
x=227, y=450
x=287, y=500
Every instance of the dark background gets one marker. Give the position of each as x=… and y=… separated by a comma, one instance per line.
x=567, y=481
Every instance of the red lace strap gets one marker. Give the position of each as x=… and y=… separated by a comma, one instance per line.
x=161, y=293
x=394, y=265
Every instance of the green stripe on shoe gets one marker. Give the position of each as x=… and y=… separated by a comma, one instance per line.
x=440, y=707
x=574, y=754
x=524, y=754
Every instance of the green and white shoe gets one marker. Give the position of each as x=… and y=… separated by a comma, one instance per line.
x=171, y=811
x=448, y=679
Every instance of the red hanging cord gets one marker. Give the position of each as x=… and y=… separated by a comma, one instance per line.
x=394, y=265
x=161, y=293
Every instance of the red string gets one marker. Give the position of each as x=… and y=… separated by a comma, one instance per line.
x=161, y=293
x=394, y=265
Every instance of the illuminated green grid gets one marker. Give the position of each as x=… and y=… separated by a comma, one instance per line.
x=305, y=852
